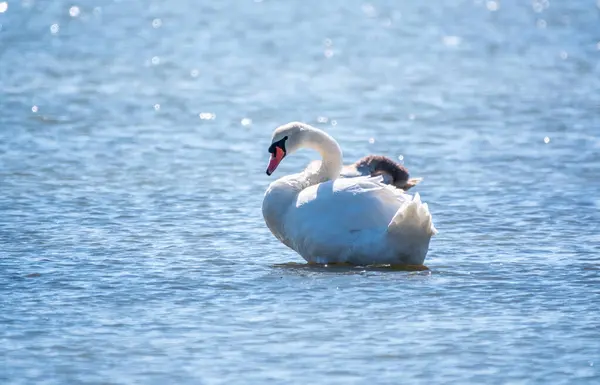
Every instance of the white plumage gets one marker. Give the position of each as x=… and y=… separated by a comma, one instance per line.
x=327, y=219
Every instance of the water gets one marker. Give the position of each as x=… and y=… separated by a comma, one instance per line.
x=133, y=145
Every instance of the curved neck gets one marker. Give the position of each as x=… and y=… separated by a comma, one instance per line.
x=330, y=151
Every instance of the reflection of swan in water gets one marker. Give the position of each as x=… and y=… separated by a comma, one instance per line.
x=372, y=165
x=327, y=219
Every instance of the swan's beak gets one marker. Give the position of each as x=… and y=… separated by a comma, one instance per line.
x=275, y=160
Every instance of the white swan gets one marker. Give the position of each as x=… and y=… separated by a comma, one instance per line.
x=327, y=219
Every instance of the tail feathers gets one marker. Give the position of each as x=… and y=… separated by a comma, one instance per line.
x=412, y=220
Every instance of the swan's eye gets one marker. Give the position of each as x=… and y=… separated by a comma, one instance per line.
x=280, y=144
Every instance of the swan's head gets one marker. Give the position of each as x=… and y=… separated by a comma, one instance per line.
x=286, y=139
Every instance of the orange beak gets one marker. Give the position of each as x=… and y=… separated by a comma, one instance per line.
x=275, y=160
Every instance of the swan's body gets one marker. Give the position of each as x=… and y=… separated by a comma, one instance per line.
x=372, y=165
x=356, y=220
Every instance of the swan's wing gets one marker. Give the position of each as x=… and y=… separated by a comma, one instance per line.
x=352, y=172
x=346, y=205
x=360, y=190
x=356, y=217
x=336, y=216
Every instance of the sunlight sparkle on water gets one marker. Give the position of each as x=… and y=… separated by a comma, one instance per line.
x=451, y=41
x=539, y=5
x=3, y=6
x=207, y=116
x=492, y=6
x=74, y=11
x=369, y=10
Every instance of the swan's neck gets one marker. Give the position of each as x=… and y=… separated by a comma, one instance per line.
x=282, y=193
x=331, y=154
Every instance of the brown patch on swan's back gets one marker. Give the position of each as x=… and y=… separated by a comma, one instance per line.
x=381, y=165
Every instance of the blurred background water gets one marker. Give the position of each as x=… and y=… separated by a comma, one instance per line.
x=133, y=144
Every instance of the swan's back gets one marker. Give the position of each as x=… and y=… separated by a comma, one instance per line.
x=392, y=172
x=343, y=217
x=358, y=202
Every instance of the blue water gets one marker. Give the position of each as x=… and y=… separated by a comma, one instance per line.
x=133, y=144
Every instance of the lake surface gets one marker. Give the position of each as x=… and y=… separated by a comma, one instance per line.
x=133, y=148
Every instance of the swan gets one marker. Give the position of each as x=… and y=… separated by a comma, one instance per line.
x=392, y=172
x=331, y=220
